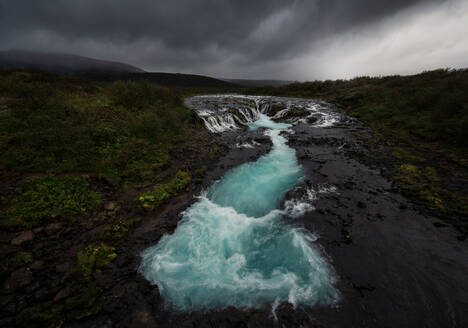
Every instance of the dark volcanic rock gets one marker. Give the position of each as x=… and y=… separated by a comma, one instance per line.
x=23, y=237
x=19, y=278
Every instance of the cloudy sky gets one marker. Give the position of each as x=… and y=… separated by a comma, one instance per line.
x=294, y=40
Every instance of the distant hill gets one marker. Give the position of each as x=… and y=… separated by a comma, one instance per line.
x=60, y=63
x=258, y=83
x=101, y=70
x=166, y=79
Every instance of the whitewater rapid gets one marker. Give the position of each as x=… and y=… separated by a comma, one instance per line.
x=233, y=247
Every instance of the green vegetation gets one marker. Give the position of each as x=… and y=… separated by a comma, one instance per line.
x=94, y=257
x=117, y=231
x=163, y=192
x=405, y=155
x=46, y=198
x=295, y=112
x=174, y=80
x=21, y=257
x=123, y=131
x=424, y=185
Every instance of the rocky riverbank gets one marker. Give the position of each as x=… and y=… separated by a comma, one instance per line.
x=395, y=263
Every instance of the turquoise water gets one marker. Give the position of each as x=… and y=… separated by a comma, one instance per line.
x=233, y=246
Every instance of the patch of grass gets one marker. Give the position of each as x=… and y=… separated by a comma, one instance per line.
x=94, y=257
x=49, y=197
x=422, y=185
x=163, y=192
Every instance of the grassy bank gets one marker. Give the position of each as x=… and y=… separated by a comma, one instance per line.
x=83, y=164
x=424, y=118
x=123, y=130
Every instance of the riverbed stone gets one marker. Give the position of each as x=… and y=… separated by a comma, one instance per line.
x=19, y=278
x=37, y=265
x=64, y=293
x=110, y=206
x=63, y=267
x=53, y=228
x=23, y=237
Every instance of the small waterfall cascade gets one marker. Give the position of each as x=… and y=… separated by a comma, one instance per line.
x=222, y=113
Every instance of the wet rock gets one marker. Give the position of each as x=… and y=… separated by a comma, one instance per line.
x=8, y=310
x=53, y=228
x=22, y=238
x=19, y=278
x=332, y=180
x=64, y=267
x=439, y=224
x=144, y=318
x=262, y=140
x=37, y=230
x=110, y=206
x=37, y=265
x=118, y=291
x=361, y=204
x=6, y=237
x=43, y=294
x=312, y=120
x=104, y=278
x=64, y=293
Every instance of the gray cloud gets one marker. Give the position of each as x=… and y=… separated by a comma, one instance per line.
x=233, y=38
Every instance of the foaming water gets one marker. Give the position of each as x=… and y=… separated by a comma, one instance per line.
x=233, y=247
x=222, y=113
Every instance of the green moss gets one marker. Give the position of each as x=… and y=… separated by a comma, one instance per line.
x=117, y=231
x=405, y=155
x=275, y=109
x=422, y=184
x=46, y=198
x=431, y=174
x=21, y=257
x=94, y=257
x=214, y=152
x=162, y=193
x=295, y=112
x=234, y=111
x=200, y=172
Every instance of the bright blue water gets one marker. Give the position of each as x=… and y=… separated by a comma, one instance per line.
x=233, y=247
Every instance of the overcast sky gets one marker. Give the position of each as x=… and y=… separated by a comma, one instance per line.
x=294, y=40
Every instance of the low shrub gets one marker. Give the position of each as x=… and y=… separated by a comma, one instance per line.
x=163, y=192
x=94, y=257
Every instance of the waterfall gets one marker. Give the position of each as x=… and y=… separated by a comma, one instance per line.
x=234, y=112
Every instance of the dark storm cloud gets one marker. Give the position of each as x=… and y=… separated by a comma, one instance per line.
x=218, y=37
